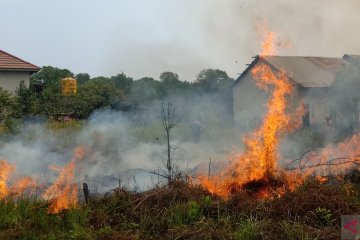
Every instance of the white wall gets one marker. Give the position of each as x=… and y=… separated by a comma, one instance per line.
x=11, y=80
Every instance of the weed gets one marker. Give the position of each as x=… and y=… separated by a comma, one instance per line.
x=249, y=229
x=324, y=217
x=292, y=231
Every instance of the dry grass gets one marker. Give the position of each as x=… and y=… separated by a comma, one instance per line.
x=189, y=212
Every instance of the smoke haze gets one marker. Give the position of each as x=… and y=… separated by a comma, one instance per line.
x=145, y=38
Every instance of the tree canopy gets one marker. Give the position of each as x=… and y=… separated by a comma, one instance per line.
x=119, y=92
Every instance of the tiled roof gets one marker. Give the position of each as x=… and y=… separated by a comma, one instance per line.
x=9, y=62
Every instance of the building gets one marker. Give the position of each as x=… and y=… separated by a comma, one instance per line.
x=313, y=79
x=13, y=70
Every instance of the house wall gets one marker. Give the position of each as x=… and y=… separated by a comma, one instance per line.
x=317, y=100
x=249, y=103
x=10, y=80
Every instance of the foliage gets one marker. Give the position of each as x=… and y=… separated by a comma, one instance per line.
x=212, y=80
x=82, y=78
x=9, y=109
x=248, y=229
x=293, y=231
x=324, y=216
x=123, y=82
x=49, y=75
x=43, y=98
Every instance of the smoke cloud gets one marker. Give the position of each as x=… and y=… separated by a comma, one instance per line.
x=124, y=147
x=187, y=36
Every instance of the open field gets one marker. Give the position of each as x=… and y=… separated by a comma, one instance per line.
x=181, y=211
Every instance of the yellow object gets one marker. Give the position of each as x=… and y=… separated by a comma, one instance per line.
x=68, y=86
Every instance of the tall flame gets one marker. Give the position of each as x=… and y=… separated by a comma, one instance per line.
x=258, y=162
x=5, y=170
x=63, y=194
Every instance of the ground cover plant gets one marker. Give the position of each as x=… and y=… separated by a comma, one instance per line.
x=183, y=211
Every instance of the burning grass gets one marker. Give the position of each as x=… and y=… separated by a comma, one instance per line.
x=312, y=211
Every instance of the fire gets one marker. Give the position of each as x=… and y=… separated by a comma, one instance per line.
x=5, y=170
x=258, y=161
x=333, y=159
x=63, y=193
x=18, y=187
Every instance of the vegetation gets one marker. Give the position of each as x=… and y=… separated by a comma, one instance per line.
x=181, y=211
x=43, y=98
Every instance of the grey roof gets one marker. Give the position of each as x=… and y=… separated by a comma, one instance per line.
x=306, y=71
x=354, y=59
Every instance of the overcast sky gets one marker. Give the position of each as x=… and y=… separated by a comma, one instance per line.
x=146, y=37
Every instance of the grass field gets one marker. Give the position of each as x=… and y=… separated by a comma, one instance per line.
x=187, y=212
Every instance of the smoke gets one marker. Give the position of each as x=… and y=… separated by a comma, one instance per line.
x=124, y=147
x=186, y=36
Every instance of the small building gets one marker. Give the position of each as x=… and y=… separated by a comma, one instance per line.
x=312, y=77
x=13, y=70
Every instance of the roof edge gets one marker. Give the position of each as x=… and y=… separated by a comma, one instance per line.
x=36, y=68
x=242, y=75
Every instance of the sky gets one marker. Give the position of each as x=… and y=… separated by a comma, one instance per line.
x=147, y=37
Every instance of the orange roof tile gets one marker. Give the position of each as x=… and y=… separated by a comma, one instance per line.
x=9, y=62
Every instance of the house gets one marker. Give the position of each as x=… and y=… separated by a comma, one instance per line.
x=313, y=79
x=13, y=70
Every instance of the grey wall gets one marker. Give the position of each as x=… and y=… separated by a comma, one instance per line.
x=249, y=103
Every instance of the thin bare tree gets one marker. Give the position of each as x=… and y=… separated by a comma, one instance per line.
x=169, y=121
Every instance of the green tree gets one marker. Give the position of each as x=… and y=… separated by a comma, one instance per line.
x=49, y=75
x=171, y=83
x=123, y=82
x=96, y=94
x=25, y=98
x=9, y=108
x=211, y=80
x=82, y=78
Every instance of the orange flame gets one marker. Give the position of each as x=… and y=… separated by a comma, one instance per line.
x=63, y=193
x=5, y=170
x=18, y=187
x=258, y=162
x=333, y=159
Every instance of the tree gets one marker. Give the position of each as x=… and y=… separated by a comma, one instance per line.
x=171, y=83
x=146, y=90
x=211, y=80
x=96, y=94
x=82, y=78
x=169, y=78
x=49, y=75
x=25, y=98
x=123, y=82
x=168, y=119
x=9, y=108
